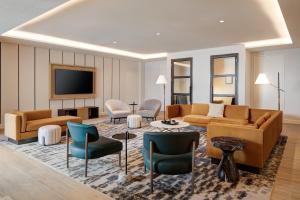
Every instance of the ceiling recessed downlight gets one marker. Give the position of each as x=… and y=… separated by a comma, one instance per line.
x=157, y=33
x=221, y=21
x=115, y=42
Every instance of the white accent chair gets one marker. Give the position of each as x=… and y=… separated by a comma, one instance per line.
x=117, y=109
x=150, y=109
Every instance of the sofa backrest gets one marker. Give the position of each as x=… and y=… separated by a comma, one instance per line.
x=36, y=114
x=185, y=109
x=236, y=112
x=255, y=113
x=199, y=109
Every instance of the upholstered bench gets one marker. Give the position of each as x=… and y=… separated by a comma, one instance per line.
x=49, y=134
x=134, y=121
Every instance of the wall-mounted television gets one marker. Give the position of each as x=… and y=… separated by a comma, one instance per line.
x=71, y=82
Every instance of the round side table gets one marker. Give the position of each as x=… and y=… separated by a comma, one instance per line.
x=227, y=170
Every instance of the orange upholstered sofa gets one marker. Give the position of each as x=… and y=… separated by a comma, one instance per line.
x=259, y=128
x=20, y=127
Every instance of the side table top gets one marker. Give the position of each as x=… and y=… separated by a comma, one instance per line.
x=159, y=124
x=228, y=143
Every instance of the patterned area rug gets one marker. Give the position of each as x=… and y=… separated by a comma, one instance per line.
x=103, y=173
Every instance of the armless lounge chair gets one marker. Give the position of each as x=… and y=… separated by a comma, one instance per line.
x=87, y=144
x=150, y=108
x=170, y=153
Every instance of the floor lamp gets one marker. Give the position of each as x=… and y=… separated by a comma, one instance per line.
x=161, y=80
x=262, y=79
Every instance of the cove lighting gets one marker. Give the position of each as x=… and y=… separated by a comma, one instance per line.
x=273, y=10
x=80, y=45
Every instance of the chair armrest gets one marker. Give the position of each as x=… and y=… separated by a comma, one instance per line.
x=12, y=126
x=173, y=111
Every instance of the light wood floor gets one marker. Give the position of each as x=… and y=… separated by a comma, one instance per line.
x=287, y=185
x=22, y=178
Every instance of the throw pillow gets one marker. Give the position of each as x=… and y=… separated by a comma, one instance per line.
x=215, y=110
x=259, y=122
x=267, y=115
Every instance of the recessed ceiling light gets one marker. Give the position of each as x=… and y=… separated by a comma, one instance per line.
x=221, y=21
x=157, y=34
x=115, y=42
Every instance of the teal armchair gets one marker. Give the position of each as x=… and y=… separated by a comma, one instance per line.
x=170, y=153
x=87, y=144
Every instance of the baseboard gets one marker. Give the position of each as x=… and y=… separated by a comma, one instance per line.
x=291, y=121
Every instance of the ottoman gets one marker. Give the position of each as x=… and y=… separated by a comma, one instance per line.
x=49, y=134
x=134, y=121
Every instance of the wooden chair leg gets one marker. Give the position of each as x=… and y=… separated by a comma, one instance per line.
x=67, y=135
x=86, y=154
x=151, y=166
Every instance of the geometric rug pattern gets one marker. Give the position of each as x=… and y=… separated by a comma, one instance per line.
x=103, y=173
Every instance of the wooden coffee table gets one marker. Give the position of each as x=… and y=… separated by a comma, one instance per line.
x=169, y=128
x=227, y=170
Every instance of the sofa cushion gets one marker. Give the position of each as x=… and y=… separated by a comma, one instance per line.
x=236, y=112
x=215, y=110
x=62, y=121
x=259, y=121
x=267, y=115
x=198, y=119
x=37, y=114
x=23, y=121
x=199, y=109
x=230, y=121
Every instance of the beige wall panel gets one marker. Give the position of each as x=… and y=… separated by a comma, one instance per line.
x=9, y=78
x=26, y=78
x=42, y=78
x=79, y=59
x=89, y=61
x=79, y=103
x=90, y=102
x=116, y=79
x=129, y=81
x=107, y=78
x=68, y=58
x=99, y=83
x=55, y=57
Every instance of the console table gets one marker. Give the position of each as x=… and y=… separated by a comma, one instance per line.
x=83, y=112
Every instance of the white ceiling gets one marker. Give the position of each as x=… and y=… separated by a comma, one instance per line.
x=16, y=12
x=182, y=24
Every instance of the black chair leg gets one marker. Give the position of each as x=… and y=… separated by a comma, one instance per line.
x=86, y=154
x=151, y=166
x=120, y=159
x=67, y=134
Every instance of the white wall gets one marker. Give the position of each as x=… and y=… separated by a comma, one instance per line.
x=287, y=62
x=25, y=78
x=152, y=70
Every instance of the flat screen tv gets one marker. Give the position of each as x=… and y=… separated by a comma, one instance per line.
x=69, y=82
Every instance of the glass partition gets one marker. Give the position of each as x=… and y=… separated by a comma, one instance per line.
x=224, y=76
x=181, y=85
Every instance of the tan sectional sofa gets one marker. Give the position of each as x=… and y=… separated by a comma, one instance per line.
x=260, y=128
x=23, y=126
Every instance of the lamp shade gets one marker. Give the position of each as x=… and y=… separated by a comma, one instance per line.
x=161, y=80
x=262, y=79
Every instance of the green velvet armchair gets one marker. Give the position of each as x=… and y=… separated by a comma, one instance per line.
x=87, y=144
x=170, y=153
